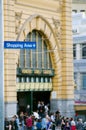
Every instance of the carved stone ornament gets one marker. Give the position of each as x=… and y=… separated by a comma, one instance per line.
x=18, y=16
x=56, y=22
x=57, y=25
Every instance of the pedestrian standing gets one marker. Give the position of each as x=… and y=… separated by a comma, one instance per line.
x=84, y=126
x=53, y=121
x=67, y=126
x=79, y=125
x=21, y=119
x=73, y=124
x=44, y=123
x=29, y=123
x=6, y=124
x=39, y=124
x=62, y=123
x=16, y=122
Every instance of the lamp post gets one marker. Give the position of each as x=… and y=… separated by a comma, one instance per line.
x=1, y=68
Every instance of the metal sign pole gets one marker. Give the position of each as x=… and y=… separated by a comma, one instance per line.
x=1, y=68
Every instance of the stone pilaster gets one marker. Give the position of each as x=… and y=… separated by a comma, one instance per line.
x=9, y=60
x=67, y=101
x=65, y=98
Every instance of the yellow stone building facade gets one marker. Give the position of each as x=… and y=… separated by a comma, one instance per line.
x=45, y=73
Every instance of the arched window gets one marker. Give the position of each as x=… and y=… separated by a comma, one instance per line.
x=39, y=58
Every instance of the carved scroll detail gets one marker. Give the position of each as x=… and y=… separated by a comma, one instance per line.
x=57, y=25
x=18, y=16
x=57, y=29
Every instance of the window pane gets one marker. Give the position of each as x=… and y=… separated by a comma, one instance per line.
x=34, y=51
x=84, y=81
x=84, y=51
x=74, y=51
x=39, y=51
x=32, y=79
x=46, y=79
x=42, y=79
x=22, y=79
x=30, y=58
x=74, y=11
x=22, y=58
x=28, y=79
x=50, y=79
x=37, y=79
x=28, y=53
x=50, y=63
x=45, y=56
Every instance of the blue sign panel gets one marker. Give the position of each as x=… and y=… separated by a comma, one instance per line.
x=19, y=45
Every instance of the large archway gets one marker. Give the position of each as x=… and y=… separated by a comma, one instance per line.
x=37, y=22
x=41, y=24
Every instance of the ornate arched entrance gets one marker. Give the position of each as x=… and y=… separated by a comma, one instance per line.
x=38, y=70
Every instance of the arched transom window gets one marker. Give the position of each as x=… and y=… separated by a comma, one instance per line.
x=39, y=58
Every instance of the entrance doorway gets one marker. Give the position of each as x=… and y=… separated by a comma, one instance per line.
x=32, y=98
x=41, y=96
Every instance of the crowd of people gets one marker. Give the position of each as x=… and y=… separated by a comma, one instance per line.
x=43, y=119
